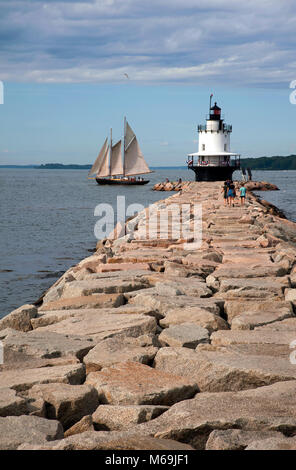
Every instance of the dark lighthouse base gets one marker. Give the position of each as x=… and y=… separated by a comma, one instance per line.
x=211, y=173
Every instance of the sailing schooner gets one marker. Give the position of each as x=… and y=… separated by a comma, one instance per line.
x=111, y=168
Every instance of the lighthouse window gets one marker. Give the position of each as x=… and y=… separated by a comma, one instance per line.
x=203, y=147
x=225, y=147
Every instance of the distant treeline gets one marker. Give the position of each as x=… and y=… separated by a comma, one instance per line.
x=261, y=163
x=60, y=166
x=270, y=163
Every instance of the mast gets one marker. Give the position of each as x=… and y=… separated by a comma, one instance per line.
x=211, y=102
x=124, y=132
x=110, y=156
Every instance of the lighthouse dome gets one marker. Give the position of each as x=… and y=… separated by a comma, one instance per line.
x=215, y=112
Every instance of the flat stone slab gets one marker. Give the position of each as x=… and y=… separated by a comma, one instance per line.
x=117, y=349
x=111, y=440
x=249, y=321
x=199, y=266
x=290, y=295
x=273, y=443
x=99, y=286
x=222, y=370
x=150, y=291
x=11, y=404
x=66, y=403
x=132, y=383
x=163, y=304
x=287, y=325
x=45, y=318
x=84, y=425
x=124, y=267
x=188, y=286
x=236, y=439
x=23, y=379
x=155, y=278
x=196, y=315
x=6, y=332
x=270, y=408
x=137, y=274
x=181, y=361
x=244, y=271
x=233, y=243
x=98, y=325
x=117, y=418
x=90, y=301
x=140, y=256
x=246, y=256
x=47, y=344
x=232, y=368
x=293, y=279
x=244, y=307
x=19, y=319
x=253, y=288
x=15, y=430
x=268, y=336
x=187, y=335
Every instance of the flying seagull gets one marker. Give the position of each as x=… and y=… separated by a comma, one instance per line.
x=126, y=75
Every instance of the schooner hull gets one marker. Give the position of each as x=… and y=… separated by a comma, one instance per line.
x=121, y=182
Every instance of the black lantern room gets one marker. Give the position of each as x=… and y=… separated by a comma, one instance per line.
x=215, y=113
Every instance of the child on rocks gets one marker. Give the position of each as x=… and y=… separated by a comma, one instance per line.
x=242, y=191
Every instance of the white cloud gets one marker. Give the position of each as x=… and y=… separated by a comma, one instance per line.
x=228, y=41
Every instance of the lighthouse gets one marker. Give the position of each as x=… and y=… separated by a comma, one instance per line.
x=214, y=161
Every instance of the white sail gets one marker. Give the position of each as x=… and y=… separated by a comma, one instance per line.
x=116, y=167
x=134, y=163
x=104, y=169
x=129, y=135
x=97, y=164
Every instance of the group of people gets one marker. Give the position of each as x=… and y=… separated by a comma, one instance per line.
x=230, y=192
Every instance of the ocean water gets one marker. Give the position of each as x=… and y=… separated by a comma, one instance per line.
x=47, y=222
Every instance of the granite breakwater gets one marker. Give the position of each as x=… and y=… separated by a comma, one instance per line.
x=162, y=343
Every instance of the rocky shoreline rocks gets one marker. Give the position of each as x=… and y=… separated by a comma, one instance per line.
x=162, y=343
x=179, y=186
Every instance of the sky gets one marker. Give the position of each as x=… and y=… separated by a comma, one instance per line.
x=71, y=70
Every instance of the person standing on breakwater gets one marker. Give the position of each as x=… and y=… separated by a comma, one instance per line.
x=242, y=191
x=231, y=194
x=225, y=193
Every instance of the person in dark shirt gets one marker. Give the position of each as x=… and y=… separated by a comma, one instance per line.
x=225, y=193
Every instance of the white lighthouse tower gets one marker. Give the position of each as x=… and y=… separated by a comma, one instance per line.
x=214, y=161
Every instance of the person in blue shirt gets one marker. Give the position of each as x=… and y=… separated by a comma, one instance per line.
x=242, y=191
x=231, y=194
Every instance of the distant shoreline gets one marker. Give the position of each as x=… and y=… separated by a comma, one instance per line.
x=53, y=166
x=275, y=163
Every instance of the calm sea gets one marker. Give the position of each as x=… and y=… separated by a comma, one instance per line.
x=47, y=222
